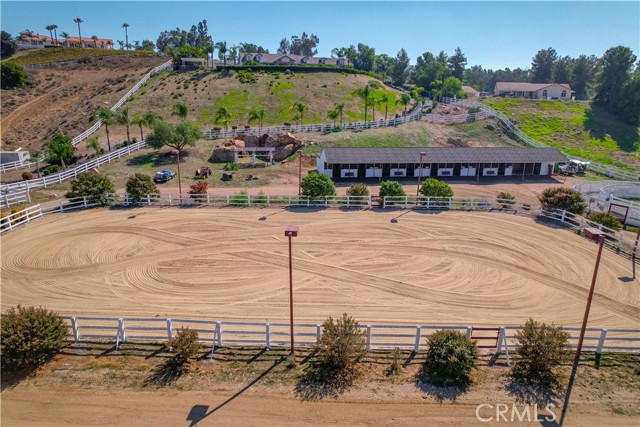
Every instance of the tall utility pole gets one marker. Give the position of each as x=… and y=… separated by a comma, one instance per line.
x=299, y=173
x=291, y=231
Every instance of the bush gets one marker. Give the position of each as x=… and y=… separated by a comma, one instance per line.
x=432, y=187
x=27, y=175
x=93, y=186
x=396, y=367
x=231, y=166
x=562, y=198
x=60, y=150
x=51, y=169
x=12, y=75
x=506, y=199
x=199, y=188
x=450, y=358
x=30, y=336
x=317, y=185
x=341, y=346
x=140, y=185
x=241, y=198
x=358, y=190
x=606, y=219
x=391, y=189
x=541, y=349
x=185, y=345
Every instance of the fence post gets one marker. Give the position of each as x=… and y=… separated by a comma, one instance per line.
x=60, y=205
x=469, y=330
x=74, y=327
x=318, y=332
x=208, y=199
x=368, y=337
x=170, y=332
x=384, y=202
x=84, y=200
x=170, y=202
x=268, y=335
x=416, y=347
x=219, y=333
x=603, y=336
x=148, y=200
x=121, y=333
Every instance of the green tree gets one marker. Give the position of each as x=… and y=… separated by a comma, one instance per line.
x=628, y=106
x=363, y=57
x=391, y=189
x=432, y=187
x=79, y=21
x=139, y=120
x=107, y=117
x=60, y=151
x=341, y=346
x=91, y=185
x=358, y=190
x=223, y=116
x=340, y=108
x=542, y=349
x=583, y=75
x=562, y=198
x=12, y=75
x=317, y=185
x=365, y=94
x=399, y=70
x=126, y=34
x=562, y=70
x=404, y=100
x=542, y=65
x=148, y=45
x=606, y=219
x=450, y=87
x=384, y=99
x=450, y=359
x=616, y=63
x=124, y=119
x=300, y=108
x=140, y=185
x=304, y=45
x=416, y=94
x=456, y=63
x=92, y=143
x=222, y=51
x=333, y=114
x=257, y=113
x=50, y=28
x=187, y=52
x=181, y=110
x=30, y=336
x=36, y=156
x=8, y=45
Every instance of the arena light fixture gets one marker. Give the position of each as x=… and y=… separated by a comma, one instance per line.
x=291, y=231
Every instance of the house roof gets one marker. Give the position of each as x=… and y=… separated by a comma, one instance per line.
x=360, y=155
x=61, y=39
x=527, y=87
x=469, y=90
x=269, y=58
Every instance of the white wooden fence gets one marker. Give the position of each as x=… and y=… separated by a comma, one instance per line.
x=217, y=333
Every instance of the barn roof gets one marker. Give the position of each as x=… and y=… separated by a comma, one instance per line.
x=359, y=155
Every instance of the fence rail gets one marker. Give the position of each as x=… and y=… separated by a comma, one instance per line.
x=217, y=333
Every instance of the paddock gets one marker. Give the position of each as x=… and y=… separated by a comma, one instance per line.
x=398, y=267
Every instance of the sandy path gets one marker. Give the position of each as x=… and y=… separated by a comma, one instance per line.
x=453, y=267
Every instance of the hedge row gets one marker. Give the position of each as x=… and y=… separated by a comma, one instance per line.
x=301, y=69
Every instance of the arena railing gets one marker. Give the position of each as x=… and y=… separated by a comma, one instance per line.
x=216, y=333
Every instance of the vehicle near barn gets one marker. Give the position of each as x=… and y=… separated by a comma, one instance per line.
x=164, y=176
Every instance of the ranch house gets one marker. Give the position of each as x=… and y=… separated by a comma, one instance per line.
x=282, y=59
x=35, y=41
x=560, y=91
x=473, y=162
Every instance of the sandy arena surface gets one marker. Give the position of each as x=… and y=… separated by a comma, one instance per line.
x=381, y=266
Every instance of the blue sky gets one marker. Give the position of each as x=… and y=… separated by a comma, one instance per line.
x=492, y=34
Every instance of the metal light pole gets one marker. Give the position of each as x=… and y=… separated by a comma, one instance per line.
x=594, y=233
x=291, y=231
x=422, y=154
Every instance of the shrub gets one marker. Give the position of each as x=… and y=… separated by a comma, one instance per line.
x=606, y=219
x=317, y=185
x=12, y=75
x=562, y=198
x=241, y=198
x=231, y=166
x=396, y=367
x=358, y=190
x=506, y=199
x=93, y=186
x=432, y=187
x=391, y=189
x=341, y=346
x=51, y=169
x=185, y=345
x=27, y=175
x=450, y=358
x=30, y=336
x=541, y=349
x=60, y=150
x=198, y=188
x=140, y=185
x=18, y=218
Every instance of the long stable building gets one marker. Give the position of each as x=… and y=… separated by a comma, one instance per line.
x=473, y=162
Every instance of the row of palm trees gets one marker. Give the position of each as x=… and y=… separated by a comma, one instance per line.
x=53, y=32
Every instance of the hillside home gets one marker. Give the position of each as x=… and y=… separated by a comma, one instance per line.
x=35, y=41
x=534, y=90
x=280, y=59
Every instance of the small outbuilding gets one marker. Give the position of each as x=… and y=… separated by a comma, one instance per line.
x=473, y=162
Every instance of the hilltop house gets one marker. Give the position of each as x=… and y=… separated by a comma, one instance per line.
x=281, y=59
x=534, y=90
x=35, y=41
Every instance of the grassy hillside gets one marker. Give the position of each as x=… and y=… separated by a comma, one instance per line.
x=62, y=54
x=575, y=127
x=205, y=92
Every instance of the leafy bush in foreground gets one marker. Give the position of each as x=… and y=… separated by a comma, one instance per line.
x=450, y=358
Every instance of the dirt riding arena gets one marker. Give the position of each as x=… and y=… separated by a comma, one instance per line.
x=381, y=266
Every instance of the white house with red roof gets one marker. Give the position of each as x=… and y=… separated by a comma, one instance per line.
x=34, y=41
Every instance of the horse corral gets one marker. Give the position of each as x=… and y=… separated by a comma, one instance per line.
x=380, y=266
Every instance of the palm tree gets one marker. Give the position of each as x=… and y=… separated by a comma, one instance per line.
x=126, y=33
x=79, y=21
x=121, y=43
x=373, y=100
x=333, y=114
x=384, y=100
x=209, y=47
x=95, y=40
x=50, y=28
x=404, y=100
x=66, y=37
x=181, y=110
x=340, y=108
x=365, y=94
x=300, y=107
x=223, y=116
x=222, y=51
x=36, y=155
x=152, y=118
x=233, y=53
x=93, y=144
x=123, y=119
x=106, y=115
x=257, y=114
x=140, y=120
